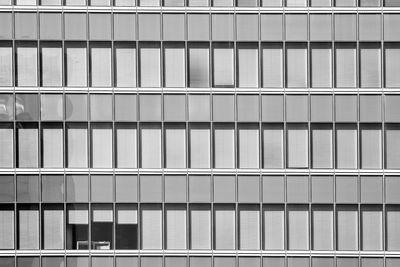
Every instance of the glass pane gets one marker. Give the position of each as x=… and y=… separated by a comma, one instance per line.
x=249, y=147
x=76, y=65
x=224, y=147
x=371, y=219
x=100, y=62
x=274, y=227
x=322, y=147
x=51, y=65
x=174, y=66
x=224, y=227
x=199, y=75
x=297, y=147
x=6, y=230
x=272, y=60
x=28, y=145
x=249, y=227
x=345, y=65
x=52, y=107
x=175, y=227
x=102, y=155
x=321, y=65
x=200, y=227
x=77, y=188
x=347, y=228
x=151, y=227
x=53, y=227
x=53, y=188
x=322, y=219
x=150, y=66
x=248, y=66
x=126, y=147
x=26, y=65
x=76, y=107
x=28, y=228
x=200, y=153
x=370, y=65
x=150, y=141
x=77, y=145
x=175, y=147
x=371, y=148
x=273, y=147
x=7, y=146
x=101, y=107
x=297, y=69
x=346, y=147
x=223, y=66
x=52, y=147
x=298, y=228
x=125, y=66
x=6, y=72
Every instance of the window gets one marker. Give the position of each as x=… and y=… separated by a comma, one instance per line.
x=200, y=153
x=174, y=107
x=274, y=227
x=150, y=107
x=7, y=227
x=390, y=3
x=101, y=107
x=51, y=64
x=198, y=24
x=222, y=2
x=125, y=66
x=392, y=229
x=370, y=25
x=273, y=146
x=345, y=27
x=224, y=227
x=392, y=59
x=174, y=65
x=322, y=225
x=296, y=3
x=149, y=24
x=370, y=3
x=224, y=146
x=199, y=75
x=7, y=146
x=6, y=19
x=77, y=145
x=28, y=147
x=53, y=226
x=125, y=106
x=320, y=24
x=347, y=227
x=26, y=64
x=248, y=146
x=28, y=227
x=371, y=147
x=370, y=65
x=322, y=144
x=126, y=156
x=77, y=226
x=76, y=68
x=298, y=232
x=53, y=188
x=345, y=65
x=296, y=25
x=247, y=65
x=248, y=109
x=77, y=188
x=126, y=228
x=371, y=227
x=102, y=188
x=102, y=155
x=297, y=155
x=198, y=2
x=272, y=68
x=100, y=62
x=175, y=226
x=76, y=108
x=151, y=226
x=319, y=3
x=296, y=65
x=247, y=24
x=200, y=227
x=321, y=108
x=150, y=65
x=52, y=146
x=7, y=188
x=321, y=65
x=6, y=72
x=150, y=136
x=102, y=226
x=126, y=188
x=175, y=146
x=391, y=32
x=249, y=227
x=149, y=2
x=124, y=23
x=272, y=24
x=75, y=23
x=174, y=26
x=223, y=68
x=26, y=25
x=52, y=107
x=99, y=2
x=346, y=147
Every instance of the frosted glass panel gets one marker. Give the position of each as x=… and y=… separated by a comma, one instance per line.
x=102, y=148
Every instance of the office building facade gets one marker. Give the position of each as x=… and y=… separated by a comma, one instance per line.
x=199, y=133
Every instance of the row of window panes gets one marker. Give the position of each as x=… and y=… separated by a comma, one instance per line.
x=243, y=108
x=293, y=228
x=199, y=146
x=199, y=261
x=215, y=3
x=244, y=189
x=200, y=27
x=295, y=66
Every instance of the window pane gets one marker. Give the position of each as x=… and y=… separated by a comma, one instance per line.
x=296, y=3
x=151, y=147
x=126, y=147
x=52, y=107
x=371, y=219
x=222, y=2
x=370, y=3
x=7, y=229
x=274, y=228
x=345, y=27
x=322, y=153
x=370, y=26
x=247, y=24
x=27, y=107
x=52, y=147
x=76, y=65
x=272, y=65
x=174, y=66
x=392, y=64
x=346, y=147
x=77, y=147
x=297, y=147
x=198, y=24
x=28, y=228
x=248, y=66
x=102, y=146
x=101, y=107
x=273, y=147
x=345, y=65
x=28, y=148
x=7, y=146
x=296, y=61
x=150, y=66
x=223, y=66
x=272, y=24
x=224, y=147
x=200, y=227
x=271, y=3
x=7, y=188
x=174, y=107
x=26, y=25
x=347, y=228
x=75, y=24
x=321, y=65
x=224, y=227
x=151, y=227
x=26, y=65
x=53, y=227
x=149, y=2
x=6, y=72
x=322, y=225
x=6, y=20
x=76, y=108
x=198, y=2
x=125, y=66
x=370, y=65
x=102, y=227
x=175, y=147
x=296, y=25
x=102, y=188
x=77, y=188
x=249, y=227
x=126, y=232
x=298, y=228
x=51, y=65
x=272, y=108
x=175, y=227
x=126, y=187
x=53, y=188
x=371, y=148
x=200, y=147
x=150, y=107
x=124, y=23
x=249, y=147
x=392, y=229
x=392, y=148
x=125, y=107
x=199, y=75
x=320, y=24
x=100, y=60
x=77, y=232
x=149, y=24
